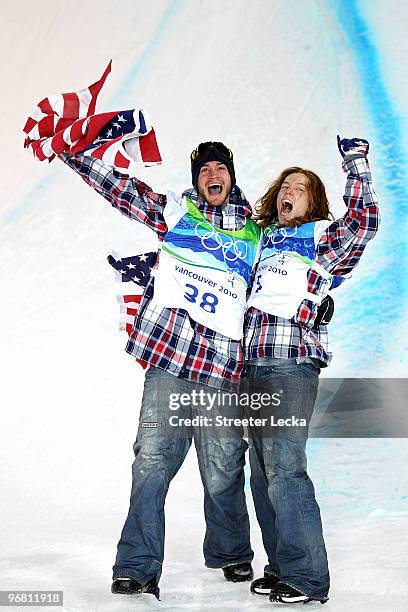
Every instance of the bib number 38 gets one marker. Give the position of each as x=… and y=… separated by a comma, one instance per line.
x=208, y=300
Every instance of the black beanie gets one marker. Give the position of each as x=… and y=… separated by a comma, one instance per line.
x=211, y=151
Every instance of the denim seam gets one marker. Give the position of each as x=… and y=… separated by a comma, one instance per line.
x=302, y=508
x=306, y=527
x=235, y=563
x=248, y=560
x=124, y=575
x=269, y=573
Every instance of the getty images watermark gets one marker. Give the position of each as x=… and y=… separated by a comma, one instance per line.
x=344, y=408
x=222, y=402
x=207, y=400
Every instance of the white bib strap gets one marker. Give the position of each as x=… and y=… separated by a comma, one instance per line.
x=321, y=271
x=316, y=299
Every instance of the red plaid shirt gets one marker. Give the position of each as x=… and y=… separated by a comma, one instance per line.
x=168, y=338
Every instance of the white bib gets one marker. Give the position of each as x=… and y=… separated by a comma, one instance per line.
x=287, y=254
x=205, y=270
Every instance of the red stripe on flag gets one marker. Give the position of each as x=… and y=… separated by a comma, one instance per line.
x=58, y=143
x=100, y=151
x=30, y=123
x=71, y=106
x=148, y=148
x=96, y=123
x=76, y=129
x=96, y=88
x=132, y=298
x=37, y=149
x=62, y=124
x=46, y=107
x=121, y=161
x=46, y=127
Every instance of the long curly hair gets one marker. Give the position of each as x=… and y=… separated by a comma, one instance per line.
x=318, y=209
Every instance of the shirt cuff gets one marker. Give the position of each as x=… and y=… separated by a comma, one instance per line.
x=356, y=165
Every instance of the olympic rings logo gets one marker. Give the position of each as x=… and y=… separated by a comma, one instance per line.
x=231, y=249
x=281, y=234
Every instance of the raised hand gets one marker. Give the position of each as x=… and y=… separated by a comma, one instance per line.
x=357, y=147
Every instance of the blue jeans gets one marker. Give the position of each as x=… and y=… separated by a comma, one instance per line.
x=284, y=497
x=160, y=450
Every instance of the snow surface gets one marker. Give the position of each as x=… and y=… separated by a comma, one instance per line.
x=276, y=81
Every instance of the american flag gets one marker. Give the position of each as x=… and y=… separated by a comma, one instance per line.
x=133, y=273
x=126, y=139
x=66, y=122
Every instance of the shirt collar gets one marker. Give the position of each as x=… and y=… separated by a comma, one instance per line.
x=230, y=216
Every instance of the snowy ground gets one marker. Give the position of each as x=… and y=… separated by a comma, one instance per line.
x=276, y=81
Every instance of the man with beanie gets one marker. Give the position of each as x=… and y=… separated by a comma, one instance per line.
x=188, y=329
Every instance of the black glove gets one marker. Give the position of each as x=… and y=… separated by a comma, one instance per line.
x=325, y=311
x=352, y=147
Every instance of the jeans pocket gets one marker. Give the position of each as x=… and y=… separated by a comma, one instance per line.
x=290, y=370
x=310, y=370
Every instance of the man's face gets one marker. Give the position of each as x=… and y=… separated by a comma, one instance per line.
x=214, y=183
x=293, y=197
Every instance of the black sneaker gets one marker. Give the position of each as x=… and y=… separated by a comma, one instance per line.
x=285, y=594
x=130, y=586
x=264, y=585
x=240, y=572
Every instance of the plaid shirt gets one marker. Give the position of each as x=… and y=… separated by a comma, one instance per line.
x=168, y=338
x=338, y=251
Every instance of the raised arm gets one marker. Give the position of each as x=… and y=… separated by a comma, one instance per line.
x=130, y=196
x=342, y=244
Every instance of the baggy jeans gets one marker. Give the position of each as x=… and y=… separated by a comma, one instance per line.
x=283, y=493
x=160, y=450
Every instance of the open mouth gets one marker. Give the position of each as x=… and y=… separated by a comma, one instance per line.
x=215, y=188
x=286, y=207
